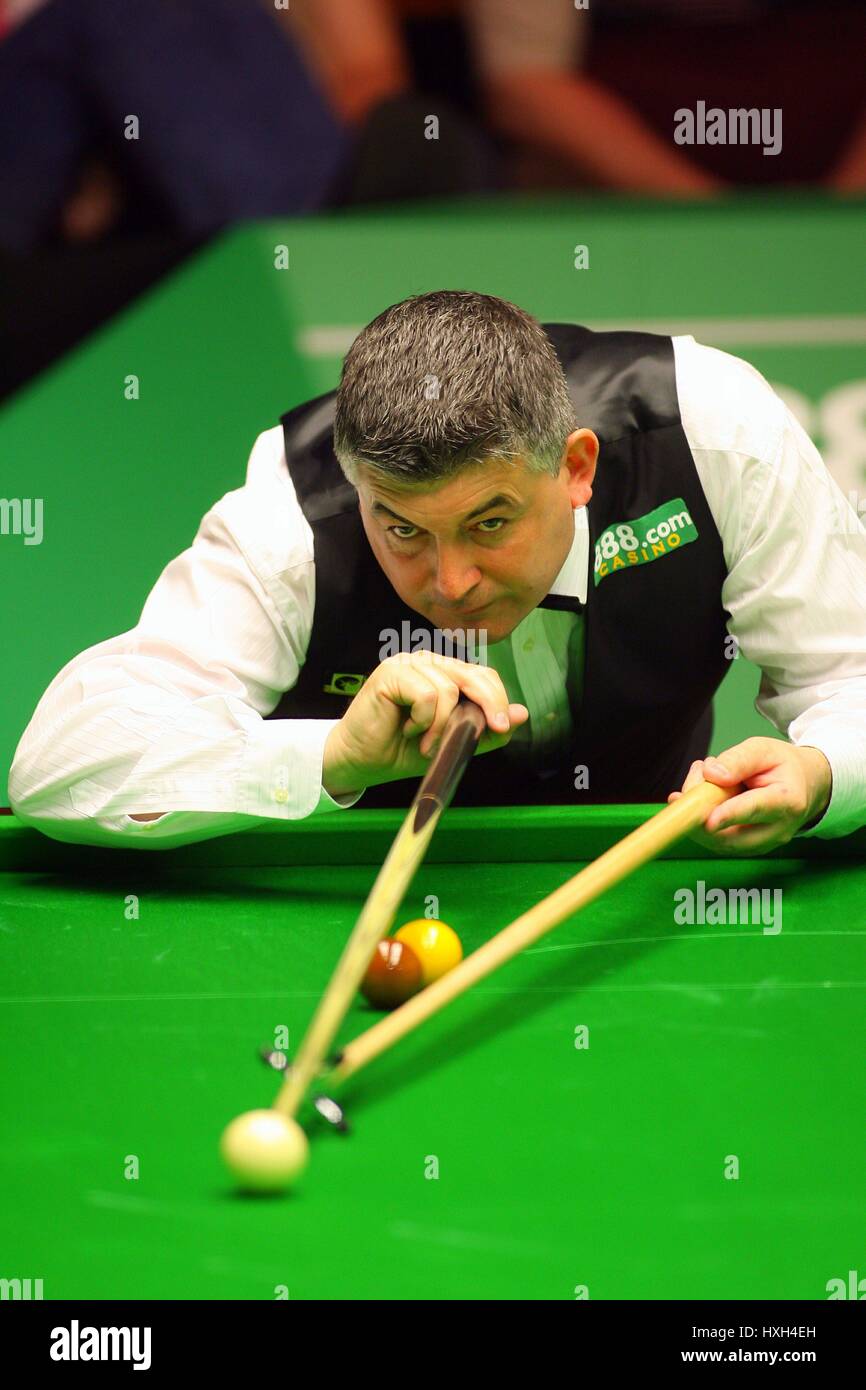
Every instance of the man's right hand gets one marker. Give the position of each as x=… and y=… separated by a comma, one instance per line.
x=393, y=725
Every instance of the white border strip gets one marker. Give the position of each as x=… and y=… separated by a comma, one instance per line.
x=325, y=340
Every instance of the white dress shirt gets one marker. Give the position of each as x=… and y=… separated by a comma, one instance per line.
x=169, y=717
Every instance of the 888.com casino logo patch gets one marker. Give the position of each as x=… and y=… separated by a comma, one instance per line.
x=626, y=544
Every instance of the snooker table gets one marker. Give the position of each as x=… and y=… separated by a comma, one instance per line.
x=130, y=1038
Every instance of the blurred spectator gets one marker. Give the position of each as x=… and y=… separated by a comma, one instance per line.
x=143, y=126
x=246, y=110
x=387, y=67
x=238, y=119
x=238, y=116
x=201, y=107
x=596, y=90
x=587, y=97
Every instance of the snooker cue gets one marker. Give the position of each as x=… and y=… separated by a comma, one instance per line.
x=457, y=745
x=622, y=859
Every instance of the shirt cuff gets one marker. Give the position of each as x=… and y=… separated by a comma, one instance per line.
x=846, y=753
x=281, y=777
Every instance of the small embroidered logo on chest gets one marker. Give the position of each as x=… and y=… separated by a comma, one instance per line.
x=344, y=683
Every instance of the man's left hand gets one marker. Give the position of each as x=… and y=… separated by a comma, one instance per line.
x=785, y=788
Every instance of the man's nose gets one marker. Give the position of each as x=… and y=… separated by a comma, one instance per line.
x=456, y=576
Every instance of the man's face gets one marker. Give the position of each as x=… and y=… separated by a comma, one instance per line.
x=482, y=549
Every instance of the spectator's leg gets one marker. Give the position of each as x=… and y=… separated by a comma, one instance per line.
x=231, y=124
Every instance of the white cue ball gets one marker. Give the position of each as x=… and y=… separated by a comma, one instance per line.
x=264, y=1150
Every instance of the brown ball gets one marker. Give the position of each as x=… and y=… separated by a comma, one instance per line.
x=393, y=975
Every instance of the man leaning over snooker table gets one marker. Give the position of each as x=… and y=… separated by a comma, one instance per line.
x=595, y=520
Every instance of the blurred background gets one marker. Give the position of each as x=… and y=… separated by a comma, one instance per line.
x=131, y=133
x=202, y=201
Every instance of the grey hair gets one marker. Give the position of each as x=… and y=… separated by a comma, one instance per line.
x=444, y=380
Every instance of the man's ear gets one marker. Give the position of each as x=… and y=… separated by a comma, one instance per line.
x=580, y=457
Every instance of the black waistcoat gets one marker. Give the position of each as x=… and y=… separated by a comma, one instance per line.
x=654, y=632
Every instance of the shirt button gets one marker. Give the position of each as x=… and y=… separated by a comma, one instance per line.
x=529, y=644
x=551, y=716
x=281, y=795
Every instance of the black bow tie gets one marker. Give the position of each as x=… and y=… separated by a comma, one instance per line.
x=564, y=602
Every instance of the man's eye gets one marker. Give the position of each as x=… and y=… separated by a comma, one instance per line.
x=495, y=522
x=401, y=532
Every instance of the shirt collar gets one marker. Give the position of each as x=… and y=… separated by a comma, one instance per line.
x=571, y=582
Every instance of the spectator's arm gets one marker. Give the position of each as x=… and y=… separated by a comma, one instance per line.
x=355, y=49
x=528, y=54
x=595, y=131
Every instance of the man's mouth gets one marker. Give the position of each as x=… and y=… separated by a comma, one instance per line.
x=473, y=612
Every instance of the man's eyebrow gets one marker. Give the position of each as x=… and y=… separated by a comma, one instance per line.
x=500, y=500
